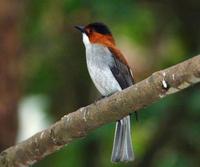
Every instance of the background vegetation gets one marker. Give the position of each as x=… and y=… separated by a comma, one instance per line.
x=43, y=76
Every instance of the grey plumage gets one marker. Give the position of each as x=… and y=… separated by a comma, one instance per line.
x=99, y=60
x=122, y=146
x=109, y=76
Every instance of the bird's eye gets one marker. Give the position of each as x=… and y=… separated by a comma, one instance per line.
x=87, y=31
x=90, y=30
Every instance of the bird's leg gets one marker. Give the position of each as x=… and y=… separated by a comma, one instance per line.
x=100, y=98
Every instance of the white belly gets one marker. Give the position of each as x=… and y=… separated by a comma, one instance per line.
x=103, y=80
x=98, y=60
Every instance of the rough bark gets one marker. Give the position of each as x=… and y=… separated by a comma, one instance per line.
x=79, y=123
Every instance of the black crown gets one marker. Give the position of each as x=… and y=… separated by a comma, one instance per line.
x=100, y=28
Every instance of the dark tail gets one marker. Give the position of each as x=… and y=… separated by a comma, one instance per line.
x=122, y=146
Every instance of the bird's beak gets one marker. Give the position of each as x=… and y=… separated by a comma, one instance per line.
x=80, y=28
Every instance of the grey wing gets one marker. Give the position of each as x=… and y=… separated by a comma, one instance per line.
x=122, y=73
x=122, y=146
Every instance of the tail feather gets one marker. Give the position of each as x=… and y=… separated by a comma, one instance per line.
x=122, y=146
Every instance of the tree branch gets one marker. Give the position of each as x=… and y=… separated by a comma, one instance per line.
x=79, y=123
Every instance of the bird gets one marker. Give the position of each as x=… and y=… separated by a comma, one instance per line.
x=110, y=73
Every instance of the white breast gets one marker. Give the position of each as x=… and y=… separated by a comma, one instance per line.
x=99, y=58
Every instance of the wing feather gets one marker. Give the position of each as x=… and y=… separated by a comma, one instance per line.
x=122, y=73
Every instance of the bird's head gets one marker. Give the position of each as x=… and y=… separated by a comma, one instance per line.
x=96, y=33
